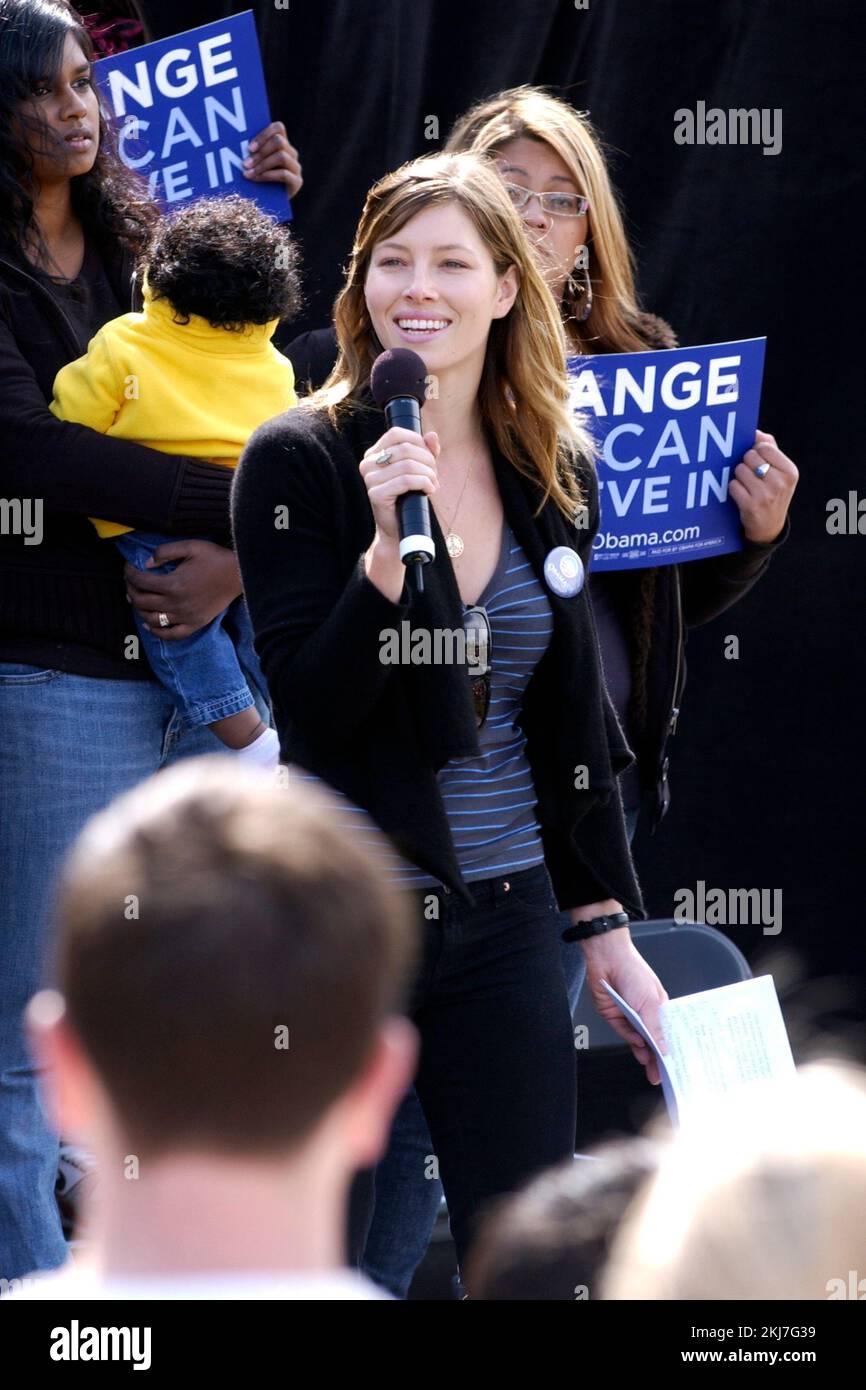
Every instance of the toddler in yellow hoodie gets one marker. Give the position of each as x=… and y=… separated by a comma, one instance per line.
x=195, y=373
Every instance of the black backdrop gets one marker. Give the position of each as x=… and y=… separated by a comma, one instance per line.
x=768, y=767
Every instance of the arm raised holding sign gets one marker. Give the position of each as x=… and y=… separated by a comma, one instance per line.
x=192, y=113
x=762, y=487
x=273, y=159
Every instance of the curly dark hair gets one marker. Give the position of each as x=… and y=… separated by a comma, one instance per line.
x=112, y=202
x=225, y=260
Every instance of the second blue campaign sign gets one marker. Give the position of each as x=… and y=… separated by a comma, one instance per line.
x=186, y=108
x=671, y=427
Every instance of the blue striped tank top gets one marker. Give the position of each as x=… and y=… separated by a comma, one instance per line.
x=490, y=799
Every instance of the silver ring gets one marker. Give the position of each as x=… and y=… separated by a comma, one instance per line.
x=162, y=619
x=762, y=470
x=383, y=458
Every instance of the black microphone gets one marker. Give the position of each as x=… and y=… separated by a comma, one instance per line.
x=398, y=382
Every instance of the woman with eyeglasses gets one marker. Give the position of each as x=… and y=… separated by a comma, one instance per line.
x=555, y=171
x=503, y=804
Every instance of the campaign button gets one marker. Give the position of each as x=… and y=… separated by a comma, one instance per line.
x=564, y=571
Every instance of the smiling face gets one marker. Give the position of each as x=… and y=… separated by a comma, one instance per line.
x=534, y=164
x=433, y=286
x=62, y=118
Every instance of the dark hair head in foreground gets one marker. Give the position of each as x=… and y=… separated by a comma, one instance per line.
x=225, y=260
x=228, y=954
x=552, y=1239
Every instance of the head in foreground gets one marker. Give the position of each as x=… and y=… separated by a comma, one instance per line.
x=231, y=969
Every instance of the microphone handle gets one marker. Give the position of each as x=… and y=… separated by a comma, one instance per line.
x=417, y=546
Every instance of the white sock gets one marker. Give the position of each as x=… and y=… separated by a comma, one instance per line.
x=264, y=751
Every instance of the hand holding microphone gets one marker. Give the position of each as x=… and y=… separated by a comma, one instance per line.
x=400, y=473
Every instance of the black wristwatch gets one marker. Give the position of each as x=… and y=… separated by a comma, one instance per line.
x=595, y=926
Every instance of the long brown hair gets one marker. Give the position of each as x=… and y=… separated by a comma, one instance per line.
x=532, y=113
x=523, y=393
x=616, y=322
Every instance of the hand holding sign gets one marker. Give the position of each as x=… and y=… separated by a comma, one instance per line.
x=763, y=502
x=186, y=109
x=671, y=426
x=273, y=160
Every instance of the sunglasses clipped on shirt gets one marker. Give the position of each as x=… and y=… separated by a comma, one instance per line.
x=479, y=653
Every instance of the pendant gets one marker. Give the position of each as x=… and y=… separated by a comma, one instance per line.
x=454, y=545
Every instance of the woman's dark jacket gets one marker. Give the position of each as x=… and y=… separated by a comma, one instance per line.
x=380, y=733
x=62, y=601
x=656, y=606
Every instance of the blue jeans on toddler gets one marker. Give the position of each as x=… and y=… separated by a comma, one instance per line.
x=203, y=673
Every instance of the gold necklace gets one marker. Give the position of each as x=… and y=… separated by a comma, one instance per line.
x=454, y=543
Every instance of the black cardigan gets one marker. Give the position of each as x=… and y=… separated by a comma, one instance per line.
x=380, y=733
x=682, y=596
x=62, y=603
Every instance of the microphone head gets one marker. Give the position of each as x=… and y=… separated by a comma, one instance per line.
x=398, y=372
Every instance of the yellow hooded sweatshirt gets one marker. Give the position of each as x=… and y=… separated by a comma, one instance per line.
x=184, y=388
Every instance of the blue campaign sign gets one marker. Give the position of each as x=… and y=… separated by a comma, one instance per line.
x=186, y=108
x=671, y=427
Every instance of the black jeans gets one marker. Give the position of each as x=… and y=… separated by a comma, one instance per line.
x=496, y=1077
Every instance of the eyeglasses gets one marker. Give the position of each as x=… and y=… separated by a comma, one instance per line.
x=479, y=651
x=558, y=204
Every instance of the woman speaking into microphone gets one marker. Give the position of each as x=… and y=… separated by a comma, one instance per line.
x=497, y=781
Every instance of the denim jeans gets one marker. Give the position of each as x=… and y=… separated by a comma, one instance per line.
x=407, y=1194
x=202, y=673
x=69, y=745
x=496, y=1076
